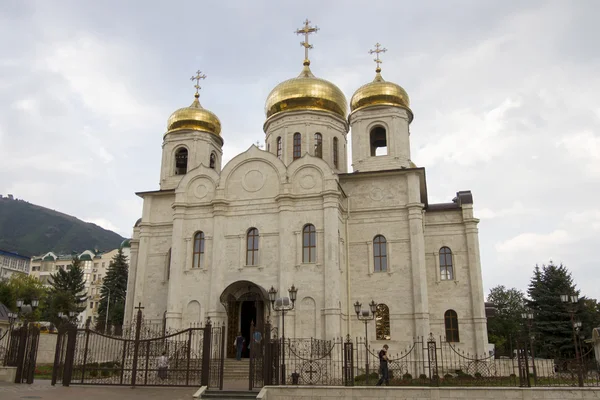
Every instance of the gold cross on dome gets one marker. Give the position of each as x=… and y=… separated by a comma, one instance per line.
x=306, y=30
x=378, y=50
x=199, y=75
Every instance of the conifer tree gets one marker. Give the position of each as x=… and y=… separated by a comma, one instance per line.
x=552, y=321
x=67, y=292
x=113, y=292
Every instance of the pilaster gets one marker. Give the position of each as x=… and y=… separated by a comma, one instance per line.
x=331, y=270
x=178, y=250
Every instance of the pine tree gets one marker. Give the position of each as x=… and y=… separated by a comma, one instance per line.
x=67, y=291
x=113, y=292
x=552, y=321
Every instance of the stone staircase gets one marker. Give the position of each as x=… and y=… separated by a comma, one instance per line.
x=235, y=370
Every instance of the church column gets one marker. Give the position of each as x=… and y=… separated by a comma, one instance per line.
x=287, y=258
x=331, y=270
x=132, y=278
x=218, y=261
x=478, y=306
x=178, y=247
x=417, y=256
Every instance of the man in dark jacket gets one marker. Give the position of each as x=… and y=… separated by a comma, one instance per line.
x=383, y=366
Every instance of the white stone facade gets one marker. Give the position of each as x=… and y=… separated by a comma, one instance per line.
x=279, y=196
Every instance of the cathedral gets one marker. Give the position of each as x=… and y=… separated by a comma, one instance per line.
x=215, y=239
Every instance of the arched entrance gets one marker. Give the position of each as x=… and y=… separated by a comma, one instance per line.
x=246, y=303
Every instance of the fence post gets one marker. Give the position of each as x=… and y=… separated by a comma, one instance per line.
x=136, y=345
x=57, y=355
x=189, y=356
x=432, y=358
x=222, y=362
x=348, y=362
x=206, y=342
x=70, y=355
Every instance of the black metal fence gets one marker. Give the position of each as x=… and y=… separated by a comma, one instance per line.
x=18, y=348
x=426, y=362
x=142, y=357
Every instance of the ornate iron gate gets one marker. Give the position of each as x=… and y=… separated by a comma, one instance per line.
x=22, y=352
x=191, y=357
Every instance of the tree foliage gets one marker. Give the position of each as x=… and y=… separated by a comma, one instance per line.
x=552, y=323
x=509, y=305
x=113, y=292
x=26, y=288
x=68, y=292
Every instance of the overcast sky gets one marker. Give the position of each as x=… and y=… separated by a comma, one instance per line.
x=506, y=97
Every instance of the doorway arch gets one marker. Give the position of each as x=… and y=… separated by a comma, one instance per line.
x=246, y=303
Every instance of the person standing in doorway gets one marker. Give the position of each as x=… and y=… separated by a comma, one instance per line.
x=383, y=366
x=239, y=346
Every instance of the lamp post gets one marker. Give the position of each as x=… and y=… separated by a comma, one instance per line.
x=283, y=305
x=366, y=316
x=571, y=301
x=33, y=304
x=528, y=319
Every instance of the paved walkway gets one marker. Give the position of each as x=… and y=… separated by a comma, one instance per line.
x=42, y=390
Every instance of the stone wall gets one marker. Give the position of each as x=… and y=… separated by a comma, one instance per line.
x=423, y=393
x=46, y=348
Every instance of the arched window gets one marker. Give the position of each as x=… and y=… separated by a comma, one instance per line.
x=213, y=160
x=198, y=250
x=382, y=322
x=451, y=323
x=380, y=253
x=279, y=147
x=446, y=269
x=318, y=145
x=309, y=244
x=168, y=264
x=181, y=160
x=297, y=145
x=252, y=247
x=378, y=140
x=335, y=152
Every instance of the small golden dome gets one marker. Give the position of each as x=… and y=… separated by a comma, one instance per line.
x=380, y=93
x=306, y=92
x=195, y=118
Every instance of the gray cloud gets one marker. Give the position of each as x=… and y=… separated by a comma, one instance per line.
x=504, y=95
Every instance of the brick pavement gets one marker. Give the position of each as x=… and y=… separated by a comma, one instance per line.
x=42, y=390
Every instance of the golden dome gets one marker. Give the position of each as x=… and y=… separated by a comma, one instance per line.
x=195, y=118
x=380, y=93
x=306, y=92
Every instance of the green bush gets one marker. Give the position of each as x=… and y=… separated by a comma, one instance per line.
x=478, y=375
x=448, y=376
x=407, y=376
x=422, y=376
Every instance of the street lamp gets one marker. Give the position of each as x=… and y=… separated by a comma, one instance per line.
x=571, y=301
x=283, y=305
x=527, y=317
x=33, y=304
x=366, y=316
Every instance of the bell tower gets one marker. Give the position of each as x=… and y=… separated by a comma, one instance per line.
x=193, y=137
x=379, y=121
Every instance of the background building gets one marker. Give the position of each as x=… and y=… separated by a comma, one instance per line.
x=13, y=263
x=95, y=266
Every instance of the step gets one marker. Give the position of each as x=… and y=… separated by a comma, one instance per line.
x=229, y=394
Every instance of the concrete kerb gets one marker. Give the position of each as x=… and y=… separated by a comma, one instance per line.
x=199, y=392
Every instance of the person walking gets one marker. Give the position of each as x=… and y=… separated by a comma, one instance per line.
x=163, y=365
x=383, y=366
x=239, y=346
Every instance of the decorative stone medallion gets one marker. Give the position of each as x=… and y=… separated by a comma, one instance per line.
x=307, y=181
x=376, y=194
x=253, y=181
x=201, y=191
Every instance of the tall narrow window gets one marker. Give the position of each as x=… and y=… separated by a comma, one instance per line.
x=252, y=247
x=451, y=323
x=297, y=145
x=213, y=160
x=380, y=253
x=309, y=244
x=446, y=268
x=169, y=264
x=198, y=250
x=378, y=139
x=181, y=160
x=279, y=147
x=335, y=152
x=318, y=145
x=382, y=322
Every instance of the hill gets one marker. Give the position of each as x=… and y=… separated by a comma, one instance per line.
x=32, y=230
